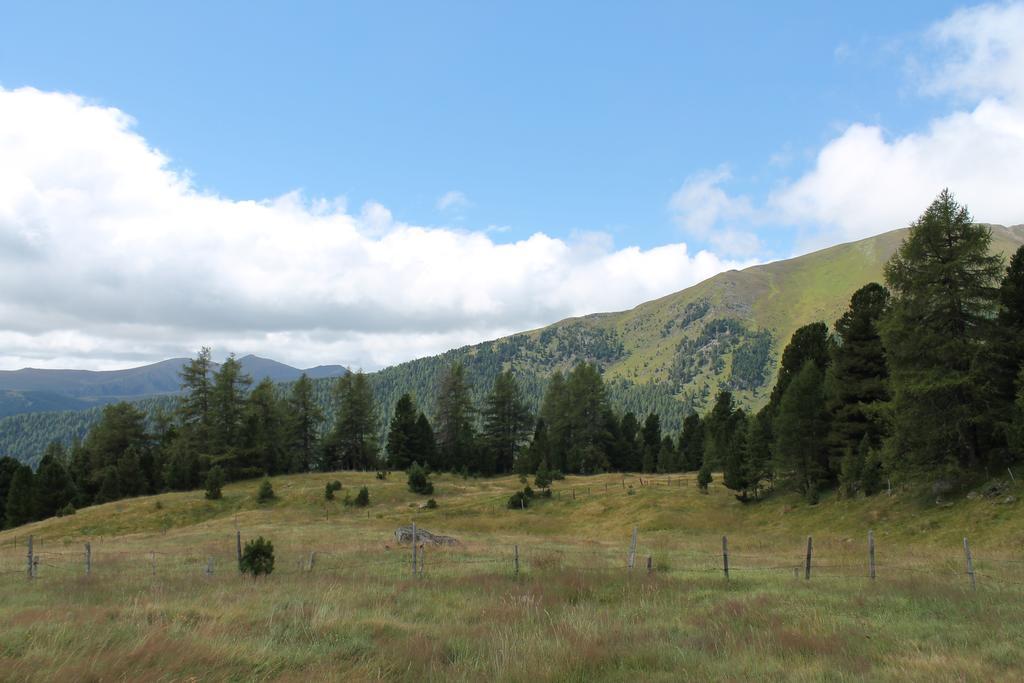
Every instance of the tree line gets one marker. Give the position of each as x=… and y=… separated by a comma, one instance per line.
x=920, y=379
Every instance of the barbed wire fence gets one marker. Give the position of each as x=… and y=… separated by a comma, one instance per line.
x=33, y=561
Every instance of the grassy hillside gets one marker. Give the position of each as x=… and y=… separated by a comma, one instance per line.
x=148, y=611
x=669, y=356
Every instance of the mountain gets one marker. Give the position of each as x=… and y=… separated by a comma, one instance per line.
x=35, y=390
x=670, y=355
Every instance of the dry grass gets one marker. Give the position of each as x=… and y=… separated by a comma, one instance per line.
x=572, y=614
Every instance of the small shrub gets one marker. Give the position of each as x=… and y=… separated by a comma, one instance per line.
x=528, y=492
x=265, y=493
x=68, y=509
x=382, y=474
x=257, y=558
x=630, y=491
x=158, y=505
x=214, y=482
x=704, y=478
x=542, y=479
x=419, y=482
x=363, y=498
x=431, y=504
x=519, y=501
x=330, y=488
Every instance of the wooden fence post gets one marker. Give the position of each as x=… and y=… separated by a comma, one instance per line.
x=650, y=564
x=152, y=562
x=515, y=559
x=871, y=554
x=414, y=548
x=31, y=563
x=88, y=559
x=238, y=549
x=631, y=559
x=725, y=557
x=970, y=564
x=209, y=566
x=312, y=559
x=807, y=562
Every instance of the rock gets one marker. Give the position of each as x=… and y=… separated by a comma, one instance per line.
x=943, y=503
x=972, y=495
x=403, y=534
x=1009, y=500
x=995, y=488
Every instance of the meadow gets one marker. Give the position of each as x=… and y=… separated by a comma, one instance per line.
x=343, y=603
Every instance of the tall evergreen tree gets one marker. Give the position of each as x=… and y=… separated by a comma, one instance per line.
x=800, y=426
x=227, y=405
x=691, y=443
x=263, y=435
x=628, y=452
x=304, y=422
x=555, y=413
x=507, y=423
x=456, y=432
x=402, y=434
x=719, y=429
x=52, y=486
x=652, y=441
x=809, y=343
x=20, y=493
x=857, y=380
x=194, y=407
x=424, y=444
x=8, y=466
x=586, y=419
x=735, y=470
x=757, y=458
x=943, y=282
x=353, y=443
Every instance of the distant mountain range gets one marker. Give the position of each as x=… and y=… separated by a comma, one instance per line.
x=36, y=390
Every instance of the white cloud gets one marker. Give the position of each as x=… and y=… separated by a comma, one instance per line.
x=110, y=258
x=453, y=199
x=865, y=182
x=706, y=212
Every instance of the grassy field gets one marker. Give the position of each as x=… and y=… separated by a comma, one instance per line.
x=148, y=611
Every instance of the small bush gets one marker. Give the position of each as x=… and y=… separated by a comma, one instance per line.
x=630, y=491
x=330, y=488
x=419, y=482
x=158, y=505
x=361, y=500
x=542, y=479
x=431, y=504
x=519, y=501
x=265, y=493
x=68, y=509
x=257, y=558
x=382, y=474
x=528, y=492
x=704, y=478
x=214, y=482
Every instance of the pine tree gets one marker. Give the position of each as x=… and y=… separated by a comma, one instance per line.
x=857, y=380
x=195, y=403
x=943, y=282
x=758, y=454
x=506, y=423
x=353, y=443
x=555, y=413
x=628, y=452
x=735, y=468
x=691, y=443
x=227, y=405
x=800, y=426
x=586, y=420
x=214, y=483
x=402, y=434
x=809, y=343
x=304, y=419
x=424, y=444
x=456, y=434
x=651, y=441
x=667, y=460
x=8, y=466
x=263, y=436
x=52, y=486
x=718, y=429
x=20, y=495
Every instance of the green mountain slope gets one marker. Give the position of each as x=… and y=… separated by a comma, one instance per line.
x=669, y=355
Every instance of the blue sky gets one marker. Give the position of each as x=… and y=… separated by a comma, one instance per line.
x=365, y=183
x=554, y=118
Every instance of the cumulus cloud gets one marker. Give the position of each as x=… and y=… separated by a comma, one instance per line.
x=453, y=199
x=866, y=181
x=705, y=211
x=108, y=257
